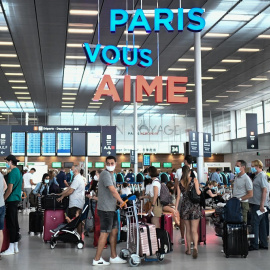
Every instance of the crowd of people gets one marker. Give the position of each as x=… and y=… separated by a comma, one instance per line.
x=159, y=194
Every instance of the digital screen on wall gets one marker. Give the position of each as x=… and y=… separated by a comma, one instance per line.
x=125, y=165
x=93, y=144
x=78, y=144
x=63, y=144
x=33, y=144
x=56, y=164
x=146, y=160
x=156, y=164
x=68, y=164
x=167, y=165
x=48, y=144
x=99, y=165
x=194, y=165
x=90, y=164
x=18, y=143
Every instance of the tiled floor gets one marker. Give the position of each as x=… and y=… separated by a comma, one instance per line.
x=34, y=254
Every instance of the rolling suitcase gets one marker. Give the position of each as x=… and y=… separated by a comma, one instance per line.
x=148, y=240
x=36, y=222
x=5, y=244
x=164, y=241
x=166, y=223
x=51, y=220
x=235, y=240
x=49, y=202
x=96, y=228
x=202, y=229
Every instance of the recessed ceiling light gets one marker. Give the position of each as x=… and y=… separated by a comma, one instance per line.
x=80, y=31
x=67, y=106
x=93, y=107
x=232, y=91
x=259, y=79
x=75, y=57
x=9, y=65
x=115, y=67
x=177, y=69
x=7, y=113
x=207, y=78
x=190, y=84
x=189, y=90
x=217, y=70
x=231, y=61
x=237, y=17
x=19, y=87
x=68, y=98
x=3, y=28
x=222, y=96
x=70, y=88
x=83, y=12
x=23, y=97
x=6, y=43
x=8, y=55
x=17, y=81
x=14, y=74
x=203, y=48
x=21, y=93
x=74, y=45
x=129, y=46
x=245, y=85
x=264, y=36
x=212, y=100
x=81, y=25
x=95, y=103
x=216, y=35
x=136, y=32
x=102, y=99
x=248, y=50
x=70, y=94
x=186, y=60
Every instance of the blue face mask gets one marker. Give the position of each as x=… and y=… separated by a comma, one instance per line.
x=7, y=166
x=47, y=181
x=148, y=176
x=253, y=170
x=237, y=169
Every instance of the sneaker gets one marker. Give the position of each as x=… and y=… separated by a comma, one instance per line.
x=8, y=252
x=16, y=248
x=117, y=259
x=24, y=212
x=181, y=241
x=100, y=262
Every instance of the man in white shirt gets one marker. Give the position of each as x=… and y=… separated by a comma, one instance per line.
x=76, y=193
x=27, y=188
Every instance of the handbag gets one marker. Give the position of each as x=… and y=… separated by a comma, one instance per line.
x=192, y=194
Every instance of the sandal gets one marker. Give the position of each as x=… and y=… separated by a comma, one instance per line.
x=195, y=253
x=187, y=252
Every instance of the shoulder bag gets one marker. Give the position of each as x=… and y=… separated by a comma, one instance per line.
x=192, y=194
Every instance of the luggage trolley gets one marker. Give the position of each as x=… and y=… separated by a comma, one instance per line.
x=131, y=253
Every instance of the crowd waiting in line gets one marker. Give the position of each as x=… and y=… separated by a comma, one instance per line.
x=158, y=195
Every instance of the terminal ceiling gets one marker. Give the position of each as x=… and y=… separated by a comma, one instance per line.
x=43, y=69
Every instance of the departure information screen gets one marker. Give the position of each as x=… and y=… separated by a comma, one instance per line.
x=146, y=160
x=33, y=144
x=18, y=143
x=48, y=144
x=93, y=144
x=63, y=144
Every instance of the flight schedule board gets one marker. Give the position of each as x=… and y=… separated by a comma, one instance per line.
x=18, y=143
x=63, y=144
x=93, y=144
x=33, y=144
x=48, y=144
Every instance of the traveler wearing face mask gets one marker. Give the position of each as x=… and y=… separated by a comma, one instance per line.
x=43, y=187
x=27, y=188
x=243, y=188
x=107, y=199
x=61, y=178
x=12, y=198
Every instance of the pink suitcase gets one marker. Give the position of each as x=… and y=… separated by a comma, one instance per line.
x=148, y=239
x=166, y=223
x=5, y=244
x=52, y=218
x=202, y=228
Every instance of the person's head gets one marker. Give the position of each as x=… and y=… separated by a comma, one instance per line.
x=33, y=170
x=45, y=178
x=11, y=161
x=110, y=163
x=188, y=160
x=218, y=170
x=210, y=184
x=240, y=166
x=153, y=171
x=173, y=170
x=170, y=186
x=125, y=184
x=62, y=169
x=81, y=171
x=51, y=174
x=76, y=170
x=256, y=166
x=185, y=175
x=72, y=169
x=130, y=171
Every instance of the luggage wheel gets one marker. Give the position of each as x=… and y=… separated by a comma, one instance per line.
x=80, y=245
x=134, y=260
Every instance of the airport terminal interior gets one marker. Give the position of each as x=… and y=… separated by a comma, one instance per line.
x=147, y=81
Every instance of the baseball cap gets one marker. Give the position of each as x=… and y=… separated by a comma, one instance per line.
x=11, y=158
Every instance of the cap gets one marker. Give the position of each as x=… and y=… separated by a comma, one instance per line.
x=11, y=158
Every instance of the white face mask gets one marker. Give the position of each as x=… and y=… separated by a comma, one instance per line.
x=96, y=177
x=110, y=168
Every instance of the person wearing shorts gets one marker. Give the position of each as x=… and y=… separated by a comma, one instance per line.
x=3, y=187
x=107, y=199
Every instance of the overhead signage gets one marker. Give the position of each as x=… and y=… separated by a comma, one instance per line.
x=5, y=141
x=93, y=146
x=207, y=144
x=48, y=144
x=252, y=131
x=18, y=143
x=63, y=144
x=132, y=156
x=108, y=141
x=175, y=149
x=193, y=143
x=146, y=160
x=33, y=144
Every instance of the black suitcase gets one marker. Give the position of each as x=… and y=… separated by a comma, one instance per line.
x=36, y=222
x=49, y=202
x=164, y=241
x=235, y=240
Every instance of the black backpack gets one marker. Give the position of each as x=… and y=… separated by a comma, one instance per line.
x=120, y=178
x=233, y=211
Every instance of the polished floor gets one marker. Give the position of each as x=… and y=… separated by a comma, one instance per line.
x=34, y=254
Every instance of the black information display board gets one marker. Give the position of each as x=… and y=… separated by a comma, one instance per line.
x=5, y=141
x=108, y=141
x=252, y=131
x=193, y=144
x=207, y=144
x=79, y=144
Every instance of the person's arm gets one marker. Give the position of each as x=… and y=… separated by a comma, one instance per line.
x=115, y=194
x=176, y=184
x=210, y=193
x=4, y=184
x=155, y=198
x=65, y=193
x=37, y=188
x=264, y=192
x=55, y=181
x=178, y=197
x=248, y=195
x=197, y=187
x=8, y=191
x=32, y=182
x=23, y=185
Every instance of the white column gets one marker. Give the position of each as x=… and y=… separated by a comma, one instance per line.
x=86, y=168
x=135, y=135
x=198, y=97
x=26, y=123
x=233, y=125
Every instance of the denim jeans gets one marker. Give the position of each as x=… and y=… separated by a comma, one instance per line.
x=258, y=228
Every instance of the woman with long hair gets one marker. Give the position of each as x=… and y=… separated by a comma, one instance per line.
x=190, y=212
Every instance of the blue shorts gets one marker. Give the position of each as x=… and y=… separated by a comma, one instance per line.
x=2, y=217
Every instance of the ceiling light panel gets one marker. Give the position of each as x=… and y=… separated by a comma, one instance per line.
x=217, y=70
x=212, y=100
x=83, y=12
x=13, y=74
x=237, y=17
x=217, y=35
x=3, y=28
x=17, y=81
x=19, y=87
x=10, y=65
x=249, y=50
x=231, y=61
x=203, y=48
x=76, y=57
x=8, y=55
x=80, y=31
x=74, y=45
x=259, y=79
x=6, y=43
x=186, y=60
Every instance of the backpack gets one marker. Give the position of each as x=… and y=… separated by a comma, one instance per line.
x=224, y=178
x=120, y=178
x=139, y=178
x=165, y=196
x=233, y=211
x=164, y=178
